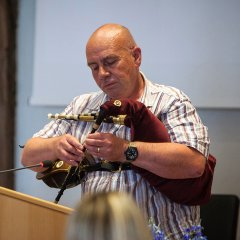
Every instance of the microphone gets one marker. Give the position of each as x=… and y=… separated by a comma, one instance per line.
x=45, y=163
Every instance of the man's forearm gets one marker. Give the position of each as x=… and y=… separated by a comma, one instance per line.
x=170, y=160
x=37, y=150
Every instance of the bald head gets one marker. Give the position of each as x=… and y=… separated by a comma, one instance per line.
x=113, y=34
x=114, y=59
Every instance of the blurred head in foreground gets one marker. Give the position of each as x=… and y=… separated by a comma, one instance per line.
x=107, y=216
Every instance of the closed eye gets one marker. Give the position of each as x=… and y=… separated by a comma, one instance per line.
x=109, y=61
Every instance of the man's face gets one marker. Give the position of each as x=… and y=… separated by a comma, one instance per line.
x=114, y=68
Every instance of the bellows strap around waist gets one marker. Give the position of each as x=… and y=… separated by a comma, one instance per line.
x=106, y=166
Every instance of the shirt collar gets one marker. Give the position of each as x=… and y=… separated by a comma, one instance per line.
x=150, y=89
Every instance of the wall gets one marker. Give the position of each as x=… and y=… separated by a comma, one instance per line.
x=198, y=39
x=222, y=123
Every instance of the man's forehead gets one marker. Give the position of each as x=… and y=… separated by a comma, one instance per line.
x=104, y=50
x=100, y=44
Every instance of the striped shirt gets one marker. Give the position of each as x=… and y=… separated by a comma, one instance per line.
x=184, y=126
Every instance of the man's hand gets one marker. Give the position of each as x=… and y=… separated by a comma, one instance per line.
x=68, y=149
x=106, y=146
x=65, y=147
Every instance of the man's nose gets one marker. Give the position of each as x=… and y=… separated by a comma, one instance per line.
x=103, y=72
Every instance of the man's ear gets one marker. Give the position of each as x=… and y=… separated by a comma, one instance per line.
x=137, y=54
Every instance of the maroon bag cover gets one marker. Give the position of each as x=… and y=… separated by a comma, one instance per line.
x=146, y=127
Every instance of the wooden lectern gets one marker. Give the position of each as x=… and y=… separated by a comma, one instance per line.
x=23, y=217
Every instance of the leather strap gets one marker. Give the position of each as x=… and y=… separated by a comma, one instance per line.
x=106, y=166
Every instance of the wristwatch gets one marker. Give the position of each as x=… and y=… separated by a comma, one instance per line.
x=131, y=153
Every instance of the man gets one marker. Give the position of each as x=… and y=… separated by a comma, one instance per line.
x=114, y=59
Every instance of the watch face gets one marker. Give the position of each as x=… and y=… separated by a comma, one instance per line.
x=131, y=153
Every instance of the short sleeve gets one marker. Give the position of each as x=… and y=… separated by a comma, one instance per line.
x=184, y=124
